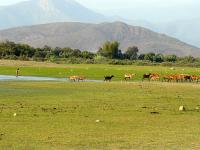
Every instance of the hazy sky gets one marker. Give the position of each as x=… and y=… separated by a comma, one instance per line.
x=150, y=10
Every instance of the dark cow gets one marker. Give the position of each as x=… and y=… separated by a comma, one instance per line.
x=146, y=76
x=188, y=78
x=108, y=78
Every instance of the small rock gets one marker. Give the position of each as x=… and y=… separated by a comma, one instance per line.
x=182, y=108
x=97, y=121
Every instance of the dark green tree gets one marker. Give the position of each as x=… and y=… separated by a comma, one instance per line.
x=76, y=53
x=110, y=49
x=57, y=51
x=158, y=58
x=132, y=53
x=149, y=56
x=67, y=52
x=141, y=56
x=171, y=58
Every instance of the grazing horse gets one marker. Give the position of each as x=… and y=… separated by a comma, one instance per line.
x=108, y=78
x=129, y=76
x=146, y=76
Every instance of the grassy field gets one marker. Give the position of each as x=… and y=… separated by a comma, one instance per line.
x=110, y=116
x=91, y=71
x=61, y=115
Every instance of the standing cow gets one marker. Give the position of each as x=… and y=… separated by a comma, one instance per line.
x=128, y=76
x=108, y=78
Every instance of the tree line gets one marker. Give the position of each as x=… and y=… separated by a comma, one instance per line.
x=108, y=51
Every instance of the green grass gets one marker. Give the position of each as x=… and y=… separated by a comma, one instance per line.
x=95, y=71
x=61, y=115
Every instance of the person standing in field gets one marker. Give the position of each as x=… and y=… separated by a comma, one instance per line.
x=17, y=72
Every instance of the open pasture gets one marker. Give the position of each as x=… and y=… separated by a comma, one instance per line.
x=117, y=115
x=90, y=71
x=61, y=115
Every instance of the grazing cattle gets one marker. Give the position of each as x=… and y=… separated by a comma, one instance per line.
x=154, y=77
x=176, y=78
x=73, y=78
x=195, y=78
x=129, y=76
x=108, y=78
x=81, y=78
x=167, y=78
x=182, y=78
x=77, y=78
x=146, y=76
x=188, y=78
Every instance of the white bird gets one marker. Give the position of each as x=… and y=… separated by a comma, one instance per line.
x=15, y=114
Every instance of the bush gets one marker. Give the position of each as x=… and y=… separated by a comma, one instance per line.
x=25, y=58
x=167, y=64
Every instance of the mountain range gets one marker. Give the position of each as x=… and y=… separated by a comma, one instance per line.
x=86, y=36
x=184, y=30
x=37, y=12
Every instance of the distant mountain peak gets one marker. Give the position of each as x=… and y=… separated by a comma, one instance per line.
x=45, y=5
x=34, y=12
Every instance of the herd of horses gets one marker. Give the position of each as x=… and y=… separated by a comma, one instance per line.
x=149, y=77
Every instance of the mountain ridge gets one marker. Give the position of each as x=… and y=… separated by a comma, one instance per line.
x=34, y=12
x=87, y=36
